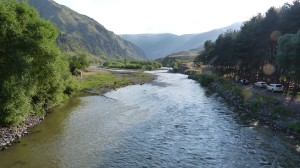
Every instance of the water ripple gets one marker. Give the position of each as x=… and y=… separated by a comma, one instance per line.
x=169, y=123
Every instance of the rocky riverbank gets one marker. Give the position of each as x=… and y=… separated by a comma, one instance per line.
x=275, y=114
x=10, y=135
x=267, y=110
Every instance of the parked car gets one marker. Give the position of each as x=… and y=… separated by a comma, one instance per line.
x=260, y=84
x=275, y=87
x=244, y=81
x=237, y=79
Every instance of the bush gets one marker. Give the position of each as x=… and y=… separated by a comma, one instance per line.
x=204, y=79
x=78, y=62
x=295, y=127
x=33, y=74
x=142, y=65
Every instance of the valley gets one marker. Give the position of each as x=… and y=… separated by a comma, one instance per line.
x=75, y=94
x=160, y=45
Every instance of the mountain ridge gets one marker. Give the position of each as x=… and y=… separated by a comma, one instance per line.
x=79, y=33
x=160, y=45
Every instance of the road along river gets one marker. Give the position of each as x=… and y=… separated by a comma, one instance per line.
x=171, y=122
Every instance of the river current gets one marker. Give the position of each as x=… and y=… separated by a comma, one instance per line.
x=171, y=122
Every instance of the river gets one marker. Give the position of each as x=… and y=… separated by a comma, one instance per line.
x=171, y=122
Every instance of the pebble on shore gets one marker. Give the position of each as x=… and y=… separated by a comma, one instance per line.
x=10, y=135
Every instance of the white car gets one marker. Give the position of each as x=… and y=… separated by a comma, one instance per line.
x=260, y=84
x=275, y=87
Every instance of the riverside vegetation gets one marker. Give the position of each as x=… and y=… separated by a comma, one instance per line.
x=267, y=109
x=34, y=76
x=266, y=48
x=133, y=64
x=98, y=81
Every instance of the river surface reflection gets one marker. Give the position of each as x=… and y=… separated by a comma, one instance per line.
x=168, y=123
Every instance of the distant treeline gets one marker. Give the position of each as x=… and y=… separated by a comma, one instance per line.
x=134, y=64
x=267, y=47
x=171, y=62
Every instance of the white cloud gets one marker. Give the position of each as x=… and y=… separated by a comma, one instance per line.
x=173, y=16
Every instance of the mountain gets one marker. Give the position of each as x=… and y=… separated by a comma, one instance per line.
x=82, y=33
x=159, y=45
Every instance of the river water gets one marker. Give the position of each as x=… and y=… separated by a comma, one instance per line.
x=171, y=122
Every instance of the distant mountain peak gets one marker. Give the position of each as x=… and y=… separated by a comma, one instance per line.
x=160, y=45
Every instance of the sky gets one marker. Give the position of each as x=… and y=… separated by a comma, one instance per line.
x=169, y=16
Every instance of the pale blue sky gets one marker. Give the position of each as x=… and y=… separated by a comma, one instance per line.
x=169, y=16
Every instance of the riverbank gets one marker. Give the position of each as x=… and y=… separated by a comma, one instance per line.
x=10, y=135
x=275, y=111
x=94, y=81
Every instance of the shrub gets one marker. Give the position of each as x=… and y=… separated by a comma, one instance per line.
x=295, y=127
x=204, y=79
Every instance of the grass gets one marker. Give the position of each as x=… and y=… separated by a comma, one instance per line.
x=204, y=79
x=142, y=75
x=295, y=127
x=99, y=81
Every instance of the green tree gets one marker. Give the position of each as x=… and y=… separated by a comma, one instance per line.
x=224, y=49
x=78, y=62
x=250, y=52
x=290, y=18
x=171, y=62
x=288, y=55
x=33, y=76
x=207, y=55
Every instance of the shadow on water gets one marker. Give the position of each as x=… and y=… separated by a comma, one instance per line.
x=35, y=149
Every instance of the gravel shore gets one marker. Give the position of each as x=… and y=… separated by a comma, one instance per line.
x=10, y=135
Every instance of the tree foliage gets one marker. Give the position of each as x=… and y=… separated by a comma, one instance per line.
x=171, y=62
x=288, y=55
x=33, y=76
x=206, y=57
x=255, y=51
x=79, y=61
x=289, y=21
x=134, y=64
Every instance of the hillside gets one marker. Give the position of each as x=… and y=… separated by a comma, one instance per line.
x=159, y=45
x=182, y=55
x=82, y=33
x=154, y=45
